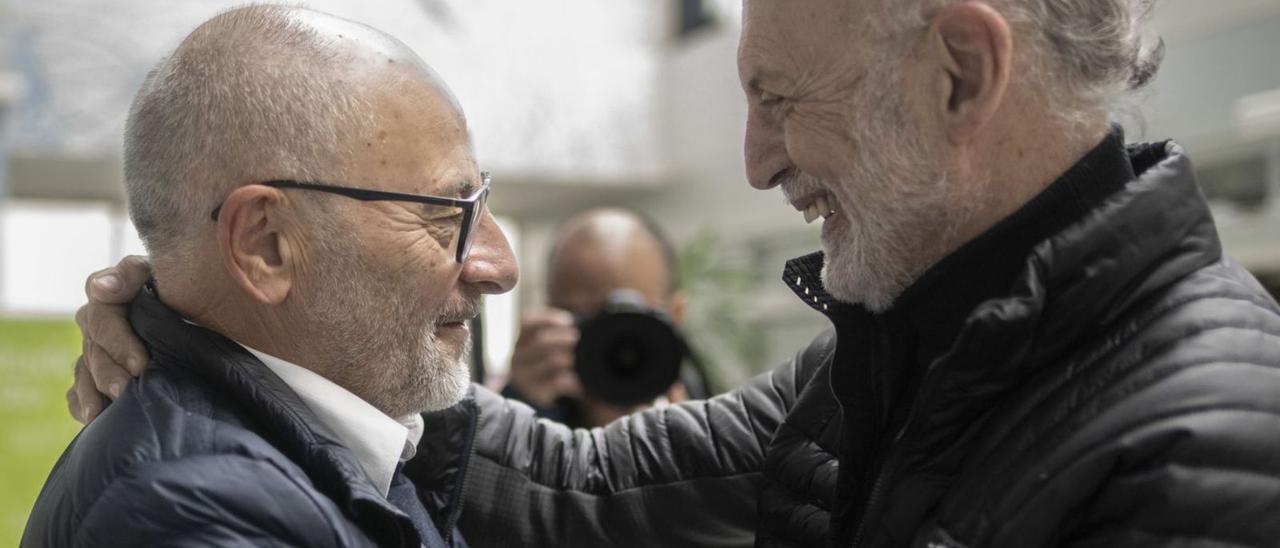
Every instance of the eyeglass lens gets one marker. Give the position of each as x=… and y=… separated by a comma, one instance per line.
x=473, y=220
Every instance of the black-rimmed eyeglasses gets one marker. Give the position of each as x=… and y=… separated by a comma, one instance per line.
x=470, y=209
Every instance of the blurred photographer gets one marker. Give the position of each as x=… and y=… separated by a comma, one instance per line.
x=605, y=264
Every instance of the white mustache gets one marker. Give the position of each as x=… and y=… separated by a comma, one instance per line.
x=800, y=184
x=460, y=312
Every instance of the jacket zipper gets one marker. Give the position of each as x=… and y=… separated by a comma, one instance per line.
x=875, y=494
x=452, y=522
x=885, y=450
x=891, y=460
x=885, y=472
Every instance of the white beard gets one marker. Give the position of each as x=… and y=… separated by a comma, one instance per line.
x=445, y=380
x=901, y=212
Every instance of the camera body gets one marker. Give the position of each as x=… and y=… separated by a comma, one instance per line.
x=629, y=353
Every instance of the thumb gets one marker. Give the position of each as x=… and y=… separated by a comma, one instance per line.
x=119, y=284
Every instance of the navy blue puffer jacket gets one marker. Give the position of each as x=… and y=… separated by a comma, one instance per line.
x=210, y=448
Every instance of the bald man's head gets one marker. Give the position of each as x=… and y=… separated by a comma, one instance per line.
x=371, y=294
x=254, y=94
x=602, y=250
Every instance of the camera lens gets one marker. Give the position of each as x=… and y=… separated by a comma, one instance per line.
x=628, y=357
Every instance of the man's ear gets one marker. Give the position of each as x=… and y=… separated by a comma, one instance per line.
x=256, y=250
x=974, y=46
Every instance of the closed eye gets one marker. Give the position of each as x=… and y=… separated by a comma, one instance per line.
x=437, y=216
x=770, y=99
x=436, y=213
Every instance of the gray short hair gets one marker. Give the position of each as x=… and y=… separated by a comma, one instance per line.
x=249, y=95
x=1088, y=55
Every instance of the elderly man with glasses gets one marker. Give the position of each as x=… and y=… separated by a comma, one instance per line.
x=297, y=338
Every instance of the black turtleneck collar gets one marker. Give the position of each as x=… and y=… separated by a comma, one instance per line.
x=938, y=303
x=928, y=316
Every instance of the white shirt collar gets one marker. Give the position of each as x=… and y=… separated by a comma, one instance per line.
x=378, y=441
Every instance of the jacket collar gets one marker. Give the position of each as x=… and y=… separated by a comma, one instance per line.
x=1157, y=230
x=1154, y=230
x=287, y=422
x=943, y=296
x=1067, y=289
x=442, y=477
x=1145, y=218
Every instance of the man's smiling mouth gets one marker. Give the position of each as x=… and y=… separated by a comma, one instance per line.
x=819, y=204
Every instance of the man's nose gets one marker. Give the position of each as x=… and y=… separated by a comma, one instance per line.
x=765, y=149
x=490, y=266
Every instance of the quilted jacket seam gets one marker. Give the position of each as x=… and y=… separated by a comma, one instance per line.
x=598, y=493
x=1216, y=541
x=1123, y=369
x=1123, y=336
x=817, y=450
x=1131, y=330
x=1074, y=411
x=717, y=448
x=1027, y=504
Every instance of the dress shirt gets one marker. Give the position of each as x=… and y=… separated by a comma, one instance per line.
x=378, y=441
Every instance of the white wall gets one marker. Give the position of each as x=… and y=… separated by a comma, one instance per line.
x=553, y=87
x=1204, y=75
x=1195, y=101
x=48, y=248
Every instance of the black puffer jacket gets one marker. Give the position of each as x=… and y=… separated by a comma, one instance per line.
x=1122, y=388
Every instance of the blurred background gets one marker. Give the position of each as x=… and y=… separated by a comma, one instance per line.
x=572, y=103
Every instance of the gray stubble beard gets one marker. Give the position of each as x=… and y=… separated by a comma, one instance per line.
x=364, y=323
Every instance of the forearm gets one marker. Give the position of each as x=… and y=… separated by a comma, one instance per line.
x=684, y=474
x=506, y=508
x=677, y=475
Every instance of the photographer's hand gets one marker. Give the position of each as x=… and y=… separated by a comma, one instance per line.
x=542, y=362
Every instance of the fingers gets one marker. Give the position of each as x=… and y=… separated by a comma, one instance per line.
x=547, y=367
x=566, y=384
x=544, y=352
x=547, y=317
x=549, y=344
x=105, y=378
x=82, y=317
x=545, y=344
x=83, y=400
x=73, y=404
x=111, y=341
x=677, y=393
x=542, y=361
x=543, y=380
x=120, y=283
x=557, y=337
x=108, y=376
